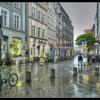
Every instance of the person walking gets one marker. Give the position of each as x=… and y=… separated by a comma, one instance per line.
x=88, y=58
x=80, y=61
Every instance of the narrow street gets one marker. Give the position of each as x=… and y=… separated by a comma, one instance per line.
x=64, y=84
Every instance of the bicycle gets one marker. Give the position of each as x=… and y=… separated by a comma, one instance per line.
x=8, y=78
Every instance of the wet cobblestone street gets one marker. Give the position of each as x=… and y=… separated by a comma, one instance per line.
x=62, y=85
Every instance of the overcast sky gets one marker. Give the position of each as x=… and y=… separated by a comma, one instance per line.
x=81, y=14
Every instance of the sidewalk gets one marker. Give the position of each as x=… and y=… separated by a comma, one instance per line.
x=87, y=68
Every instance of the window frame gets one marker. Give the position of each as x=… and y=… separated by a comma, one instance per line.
x=16, y=23
x=17, y=4
x=38, y=32
x=33, y=33
x=7, y=16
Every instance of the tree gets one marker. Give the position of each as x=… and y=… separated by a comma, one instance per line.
x=89, y=38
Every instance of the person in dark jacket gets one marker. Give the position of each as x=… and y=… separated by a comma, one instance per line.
x=80, y=61
x=88, y=58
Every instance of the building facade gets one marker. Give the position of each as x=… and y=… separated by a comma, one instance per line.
x=97, y=29
x=13, y=18
x=36, y=28
x=87, y=31
x=64, y=33
x=67, y=30
x=52, y=28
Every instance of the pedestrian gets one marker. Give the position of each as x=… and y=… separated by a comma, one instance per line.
x=80, y=61
x=93, y=59
x=88, y=58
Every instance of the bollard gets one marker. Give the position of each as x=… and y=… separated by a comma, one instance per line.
x=52, y=73
x=28, y=76
x=96, y=70
x=75, y=71
x=98, y=85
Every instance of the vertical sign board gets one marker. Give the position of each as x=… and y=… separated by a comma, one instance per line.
x=84, y=44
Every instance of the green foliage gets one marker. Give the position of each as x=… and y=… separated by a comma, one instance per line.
x=89, y=38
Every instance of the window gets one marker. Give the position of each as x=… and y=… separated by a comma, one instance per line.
x=17, y=4
x=33, y=31
x=38, y=31
x=4, y=17
x=33, y=12
x=43, y=33
x=38, y=15
x=16, y=22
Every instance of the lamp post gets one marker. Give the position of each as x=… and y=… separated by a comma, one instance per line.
x=97, y=68
x=1, y=36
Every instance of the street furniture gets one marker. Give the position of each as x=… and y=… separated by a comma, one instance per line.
x=52, y=74
x=98, y=85
x=96, y=70
x=55, y=59
x=74, y=71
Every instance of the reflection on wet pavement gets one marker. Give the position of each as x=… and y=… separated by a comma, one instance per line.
x=52, y=80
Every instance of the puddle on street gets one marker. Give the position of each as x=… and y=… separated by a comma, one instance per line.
x=52, y=80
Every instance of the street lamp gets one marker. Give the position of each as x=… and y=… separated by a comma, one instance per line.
x=1, y=36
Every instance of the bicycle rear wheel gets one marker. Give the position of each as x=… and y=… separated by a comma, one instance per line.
x=13, y=79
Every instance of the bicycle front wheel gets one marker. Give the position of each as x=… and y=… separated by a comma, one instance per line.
x=13, y=79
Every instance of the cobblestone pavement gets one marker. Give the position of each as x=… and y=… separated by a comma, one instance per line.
x=62, y=85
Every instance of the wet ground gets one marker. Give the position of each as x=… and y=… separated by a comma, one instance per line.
x=54, y=80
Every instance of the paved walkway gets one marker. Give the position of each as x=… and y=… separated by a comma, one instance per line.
x=64, y=85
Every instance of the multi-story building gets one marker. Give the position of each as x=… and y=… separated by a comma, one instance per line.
x=58, y=27
x=64, y=33
x=36, y=28
x=52, y=28
x=97, y=29
x=13, y=27
x=87, y=31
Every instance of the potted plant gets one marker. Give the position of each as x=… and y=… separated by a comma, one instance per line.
x=8, y=58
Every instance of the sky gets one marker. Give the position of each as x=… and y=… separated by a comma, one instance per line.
x=82, y=15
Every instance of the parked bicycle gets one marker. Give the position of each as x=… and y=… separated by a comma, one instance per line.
x=8, y=78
